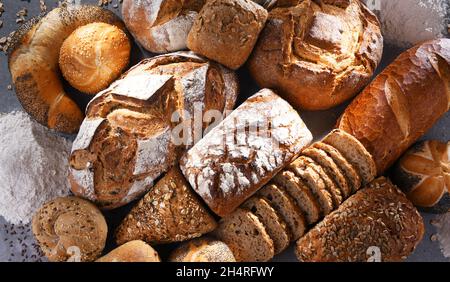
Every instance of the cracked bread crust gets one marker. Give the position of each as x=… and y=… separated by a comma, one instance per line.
x=243, y=152
x=125, y=141
x=379, y=215
x=317, y=54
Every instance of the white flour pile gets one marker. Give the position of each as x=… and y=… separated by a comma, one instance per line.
x=442, y=225
x=33, y=167
x=407, y=22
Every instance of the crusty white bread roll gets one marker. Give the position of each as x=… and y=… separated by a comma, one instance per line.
x=317, y=54
x=133, y=251
x=33, y=63
x=402, y=103
x=161, y=26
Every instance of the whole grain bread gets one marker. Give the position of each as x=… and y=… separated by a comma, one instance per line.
x=376, y=217
x=203, y=249
x=246, y=236
x=170, y=212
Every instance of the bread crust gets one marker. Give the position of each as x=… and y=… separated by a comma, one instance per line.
x=133, y=251
x=402, y=103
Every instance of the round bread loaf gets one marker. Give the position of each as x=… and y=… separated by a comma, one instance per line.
x=203, y=249
x=136, y=129
x=161, y=26
x=93, y=56
x=70, y=229
x=34, y=67
x=317, y=54
x=133, y=251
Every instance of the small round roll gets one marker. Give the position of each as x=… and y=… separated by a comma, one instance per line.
x=70, y=229
x=133, y=251
x=93, y=56
x=203, y=249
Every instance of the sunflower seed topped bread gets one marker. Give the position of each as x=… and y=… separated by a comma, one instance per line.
x=129, y=136
x=133, y=251
x=377, y=216
x=227, y=30
x=300, y=193
x=170, y=212
x=70, y=226
x=161, y=26
x=244, y=151
x=203, y=249
x=285, y=206
x=274, y=224
x=317, y=53
x=246, y=236
x=354, y=152
x=402, y=103
x=423, y=173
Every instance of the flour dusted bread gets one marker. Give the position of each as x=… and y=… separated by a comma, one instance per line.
x=129, y=136
x=133, y=251
x=227, y=30
x=161, y=26
x=170, y=212
x=376, y=216
x=245, y=151
x=317, y=54
x=246, y=236
x=204, y=249
x=402, y=103
x=70, y=228
x=33, y=63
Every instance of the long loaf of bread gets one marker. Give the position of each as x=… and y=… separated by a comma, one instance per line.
x=402, y=103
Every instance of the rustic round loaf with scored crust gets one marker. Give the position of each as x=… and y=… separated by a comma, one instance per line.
x=317, y=54
x=136, y=129
x=34, y=67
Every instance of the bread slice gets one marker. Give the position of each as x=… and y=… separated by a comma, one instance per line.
x=348, y=170
x=246, y=236
x=327, y=163
x=275, y=226
x=286, y=207
x=303, y=196
x=354, y=152
x=329, y=183
x=170, y=212
x=313, y=180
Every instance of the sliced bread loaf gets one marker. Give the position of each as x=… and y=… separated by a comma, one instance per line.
x=170, y=212
x=246, y=236
x=303, y=196
x=275, y=226
x=354, y=152
x=286, y=207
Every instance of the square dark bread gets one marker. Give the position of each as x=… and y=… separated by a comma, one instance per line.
x=354, y=152
x=313, y=180
x=327, y=163
x=286, y=207
x=246, y=236
x=303, y=196
x=348, y=170
x=275, y=226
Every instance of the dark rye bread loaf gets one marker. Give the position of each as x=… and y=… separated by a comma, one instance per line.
x=275, y=226
x=377, y=216
x=348, y=170
x=170, y=212
x=246, y=236
x=303, y=196
x=286, y=207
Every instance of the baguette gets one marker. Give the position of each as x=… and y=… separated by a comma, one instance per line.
x=402, y=103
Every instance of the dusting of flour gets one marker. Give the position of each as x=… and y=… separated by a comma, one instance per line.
x=442, y=225
x=33, y=167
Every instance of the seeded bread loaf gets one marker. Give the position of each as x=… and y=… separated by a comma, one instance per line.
x=170, y=212
x=136, y=129
x=246, y=236
x=243, y=152
x=402, y=103
x=133, y=251
x=378, y=216
x=204, y=249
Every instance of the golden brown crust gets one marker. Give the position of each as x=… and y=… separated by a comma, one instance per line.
x=35, y=70
x=133, y=251
x=376, y=216
x=402, y=103
x=317, y=54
